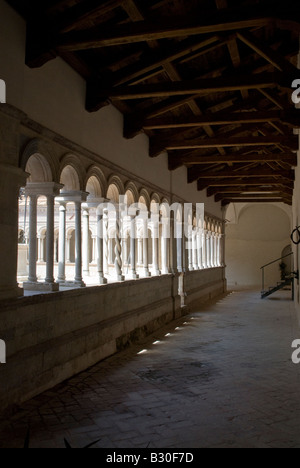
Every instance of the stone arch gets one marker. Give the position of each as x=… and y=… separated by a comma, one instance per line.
x=131, y=187
x=155, y=198
x=96, y=174
x=75, y=177
x=113, y=193
x=70, y=179
x=37, y=147
x=117, y=182
x=145, y=195
x=39, y=169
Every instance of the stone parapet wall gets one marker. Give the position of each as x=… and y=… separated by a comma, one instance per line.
x=52, y=337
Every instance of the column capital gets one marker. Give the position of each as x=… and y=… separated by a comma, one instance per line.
x=73, y=196
x=47, y=189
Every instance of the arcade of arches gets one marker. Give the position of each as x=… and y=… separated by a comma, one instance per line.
x=61, y=246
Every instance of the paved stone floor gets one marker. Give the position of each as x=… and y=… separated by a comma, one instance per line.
x=222, y=378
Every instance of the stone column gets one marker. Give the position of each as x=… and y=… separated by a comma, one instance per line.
x=165, y=250
x=106, y=245
x=40, y=249
x=78, y=245
x=86, y=241
x=32, y=278
x=179, y=246
x=68, y=248
x=62, y=244
x=218, y=250
x=100, y=251
x=212, y=242
x=199, y=248
x=140, y=251
x=194, y=249
x=190, y=250
x=145, y=249
x=204, y=251
x=134, y=274
x=208, y=249
x=94, y=260
x=118, y=250
x=50, y=241
x=155, y=249
x=173, y=245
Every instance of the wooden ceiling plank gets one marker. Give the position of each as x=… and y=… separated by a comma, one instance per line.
x=76, y=16
x=273, y=57
x=171, y=28
x=222, y=118
x=157, y=146
x=246, y=200
x=287, y=158
x=228, y=191
x=194, y=174
x=233, y=182
x=190, y=87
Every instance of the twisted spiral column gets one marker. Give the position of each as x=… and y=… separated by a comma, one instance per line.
x=118, y=251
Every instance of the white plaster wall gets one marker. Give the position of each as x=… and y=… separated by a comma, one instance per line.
x=54, y=96
x=260, y=234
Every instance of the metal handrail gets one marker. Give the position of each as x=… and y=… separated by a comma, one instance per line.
x=275, y=261
x=269, y=264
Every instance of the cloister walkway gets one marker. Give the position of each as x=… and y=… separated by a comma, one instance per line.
x=221, y=377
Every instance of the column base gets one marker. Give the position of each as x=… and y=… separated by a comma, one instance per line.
x=121, y=278
x=73, y=284
x=165, y=272
x=61, y=280
x=102, y=280
x=41, y=287
x=157, y=273
x=86, y=273
x=134, y=276
x=147, y=274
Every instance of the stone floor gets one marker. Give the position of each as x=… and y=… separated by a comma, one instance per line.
x=221, y=377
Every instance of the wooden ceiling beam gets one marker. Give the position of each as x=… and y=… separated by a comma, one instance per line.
x=238, y=190
x=170, y=28
x=158, y=145
x=176, y=161
x=223, y=118
x=196, y=174
x=198, y=87
x=234, y=196
x=155, y=60
x=76, y=16
x=269, y=54
x=233, y=182
x=258, y=200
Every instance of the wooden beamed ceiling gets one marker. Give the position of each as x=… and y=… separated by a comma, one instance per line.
x=208, y=81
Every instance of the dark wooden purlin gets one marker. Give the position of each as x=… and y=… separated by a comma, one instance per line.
x=176, y=161
x=195, y=174
x=226, y=191
x=157, y=146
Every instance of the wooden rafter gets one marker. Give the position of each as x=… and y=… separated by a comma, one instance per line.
x=142, y=31
x=286, y=141
x=195, y=174
x=255, y=181
x=198, y=87
x=223, y=118
x=176, y=161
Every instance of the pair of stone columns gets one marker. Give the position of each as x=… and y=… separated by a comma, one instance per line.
x=35, y=190
x=77, y=198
